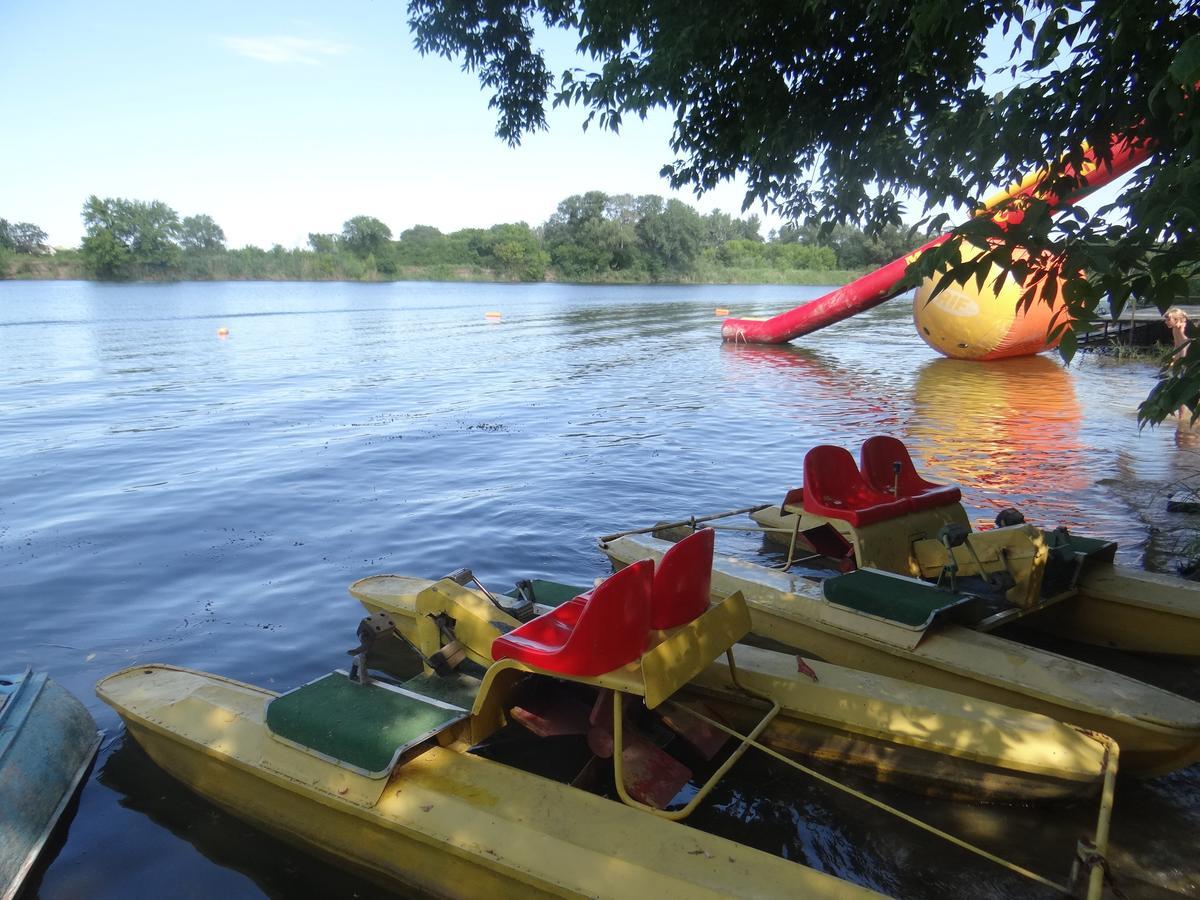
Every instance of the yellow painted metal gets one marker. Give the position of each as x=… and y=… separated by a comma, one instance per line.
x=445, y=822
x=1158, y=731
x=1094, y=864
x=703, y=790
x=1019, y=550
x=690, y=649
x=884, y=545
x=480, y=619
x=949, y=726
x=675, y=658
x=1096, y=861
x=1129, y=609
x=897, y=731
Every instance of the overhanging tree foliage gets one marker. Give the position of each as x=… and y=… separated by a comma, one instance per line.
x=837, y=112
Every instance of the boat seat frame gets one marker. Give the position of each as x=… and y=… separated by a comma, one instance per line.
x=674, y=658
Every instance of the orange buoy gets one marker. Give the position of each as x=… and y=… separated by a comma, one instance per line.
x=222, y=332
x=965, y=321
x=721, y=311
x=491, y=315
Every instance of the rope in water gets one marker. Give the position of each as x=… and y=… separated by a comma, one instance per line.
x=879, y=804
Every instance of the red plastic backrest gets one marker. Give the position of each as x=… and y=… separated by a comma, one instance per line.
x=832, y=479
x=614, y=627
x=682, y=581
x=877, y=455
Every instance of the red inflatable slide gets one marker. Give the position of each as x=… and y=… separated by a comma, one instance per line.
x=882, y=284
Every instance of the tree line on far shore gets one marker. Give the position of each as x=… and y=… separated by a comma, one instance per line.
x=590, y=237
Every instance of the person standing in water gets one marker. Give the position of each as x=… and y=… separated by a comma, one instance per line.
x=1176, y=320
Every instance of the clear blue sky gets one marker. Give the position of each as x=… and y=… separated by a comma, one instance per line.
x=278, y=119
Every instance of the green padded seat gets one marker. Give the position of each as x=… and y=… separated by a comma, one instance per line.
x=551, y=593
x=903, y=601
x=364, y=727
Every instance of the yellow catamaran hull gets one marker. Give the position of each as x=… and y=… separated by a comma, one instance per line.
x=444, y=822
x=1157, y=731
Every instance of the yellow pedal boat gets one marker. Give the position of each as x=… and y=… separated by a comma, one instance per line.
x=868, y=624
x=388, y=779
x=921, y=738
x=886, y=516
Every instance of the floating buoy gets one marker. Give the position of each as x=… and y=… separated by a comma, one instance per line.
x=966, y=322
x=222, y=332
x=721, y=311
x=491, y=315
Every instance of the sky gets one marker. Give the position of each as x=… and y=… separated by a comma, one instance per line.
x=280, y=119
x=283, y=118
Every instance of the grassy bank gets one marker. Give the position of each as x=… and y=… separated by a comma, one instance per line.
x=300, y=265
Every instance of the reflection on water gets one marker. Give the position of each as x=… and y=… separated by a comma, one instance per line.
x=1006, y=429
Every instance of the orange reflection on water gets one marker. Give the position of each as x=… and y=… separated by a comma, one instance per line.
x=1004, y=427
x=822, y=380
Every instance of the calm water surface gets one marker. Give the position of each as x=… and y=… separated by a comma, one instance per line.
x=166, y=495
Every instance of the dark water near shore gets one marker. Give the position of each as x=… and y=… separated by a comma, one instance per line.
x=169, y=496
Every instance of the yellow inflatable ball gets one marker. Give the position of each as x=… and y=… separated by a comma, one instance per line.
x=966, y=322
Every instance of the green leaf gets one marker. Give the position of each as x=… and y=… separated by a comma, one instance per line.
x=1185, y=67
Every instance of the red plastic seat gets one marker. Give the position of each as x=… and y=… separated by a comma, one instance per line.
x=682, y=581
x=834, y=488
x=592, y=634
x=878, y=455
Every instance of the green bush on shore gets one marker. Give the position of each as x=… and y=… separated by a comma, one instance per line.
x=591, y=238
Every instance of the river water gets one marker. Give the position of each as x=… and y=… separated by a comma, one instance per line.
x=170, y=495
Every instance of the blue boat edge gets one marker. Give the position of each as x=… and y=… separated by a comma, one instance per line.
x=38, y=715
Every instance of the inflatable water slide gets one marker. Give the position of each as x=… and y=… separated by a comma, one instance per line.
x=960, y=322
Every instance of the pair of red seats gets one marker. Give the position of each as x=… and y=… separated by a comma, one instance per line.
x=610, y=625
x=835, y=487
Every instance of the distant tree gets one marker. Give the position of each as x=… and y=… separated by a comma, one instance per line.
x=365, y=235
x=671, y=237
x=514, y=250
x=423, y=245
x=129, y=233
x=23, y=237
x=721, y=227
x=105, y=256
x=801, y=256
x=201, y=233
x=589, y=236
x=323, y=243
x=740, y=253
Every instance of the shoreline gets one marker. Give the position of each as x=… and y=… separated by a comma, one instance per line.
x=807, y=277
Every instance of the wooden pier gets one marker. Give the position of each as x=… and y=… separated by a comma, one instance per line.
x=1142, y=327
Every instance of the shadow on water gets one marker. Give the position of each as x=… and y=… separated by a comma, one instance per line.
x=55, y=843
x=277, y=868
